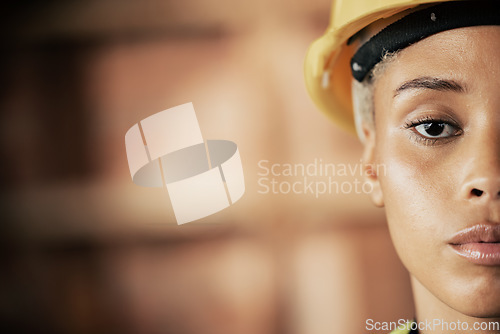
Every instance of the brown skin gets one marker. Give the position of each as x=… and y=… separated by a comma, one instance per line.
x=427, y=184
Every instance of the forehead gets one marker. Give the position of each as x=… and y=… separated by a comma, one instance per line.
x=470, y=55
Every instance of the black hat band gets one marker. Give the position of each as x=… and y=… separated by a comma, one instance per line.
x=419, y=25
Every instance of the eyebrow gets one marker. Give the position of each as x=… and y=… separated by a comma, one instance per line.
x=430, y=83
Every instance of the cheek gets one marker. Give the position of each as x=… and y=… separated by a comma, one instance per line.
x=417, y=193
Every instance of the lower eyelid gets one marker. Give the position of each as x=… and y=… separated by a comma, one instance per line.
x=417, y=138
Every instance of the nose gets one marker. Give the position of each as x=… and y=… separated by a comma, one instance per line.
x=481, y=169
x=482, y=188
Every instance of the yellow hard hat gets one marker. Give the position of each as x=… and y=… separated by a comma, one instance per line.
x=327, y=64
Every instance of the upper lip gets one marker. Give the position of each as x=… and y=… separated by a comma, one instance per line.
x=480, y=233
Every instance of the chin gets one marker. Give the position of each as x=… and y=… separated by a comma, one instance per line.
x=482, y=309
x=478, y=303
x=485, y=313
x=473, y=294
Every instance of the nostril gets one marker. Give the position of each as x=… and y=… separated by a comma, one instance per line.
x=476, y=192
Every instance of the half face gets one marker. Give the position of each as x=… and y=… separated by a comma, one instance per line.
x=437, y=132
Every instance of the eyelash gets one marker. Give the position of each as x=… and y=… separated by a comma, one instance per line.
x=411, y=124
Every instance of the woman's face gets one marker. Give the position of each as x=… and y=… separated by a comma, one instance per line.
x=437, y=132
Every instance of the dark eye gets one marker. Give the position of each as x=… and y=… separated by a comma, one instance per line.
x=435, y=130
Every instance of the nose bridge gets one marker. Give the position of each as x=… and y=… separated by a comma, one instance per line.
x=482, y=164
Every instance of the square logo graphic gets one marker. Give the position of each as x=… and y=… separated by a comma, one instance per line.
x=167, y=150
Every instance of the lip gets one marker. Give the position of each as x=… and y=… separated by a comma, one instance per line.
x=479, y=244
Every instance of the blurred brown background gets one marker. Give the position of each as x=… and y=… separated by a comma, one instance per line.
x=84, y=250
